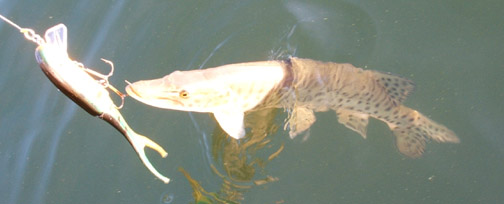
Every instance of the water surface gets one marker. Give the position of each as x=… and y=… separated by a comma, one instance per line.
x=51, y=151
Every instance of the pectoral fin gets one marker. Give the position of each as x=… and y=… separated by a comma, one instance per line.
x=353, y=120
x=231, y=122
x=299, y=121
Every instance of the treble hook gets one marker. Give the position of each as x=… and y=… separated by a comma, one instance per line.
x=104, y=79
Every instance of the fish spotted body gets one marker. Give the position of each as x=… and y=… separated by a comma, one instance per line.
x=302, y=86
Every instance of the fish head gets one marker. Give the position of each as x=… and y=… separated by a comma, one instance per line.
x=180, y=90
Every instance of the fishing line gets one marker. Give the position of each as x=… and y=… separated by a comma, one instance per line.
x=10, y=22
x=27, y=32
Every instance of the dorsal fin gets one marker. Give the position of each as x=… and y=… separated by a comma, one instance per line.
x=396, y=87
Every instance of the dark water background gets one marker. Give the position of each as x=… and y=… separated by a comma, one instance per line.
x=51, y=151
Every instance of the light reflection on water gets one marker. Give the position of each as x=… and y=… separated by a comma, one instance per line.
x=103, y=31
x=67, y=113
x=21, y=170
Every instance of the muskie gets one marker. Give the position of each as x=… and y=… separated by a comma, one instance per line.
x=301, y=86
x=75, y=81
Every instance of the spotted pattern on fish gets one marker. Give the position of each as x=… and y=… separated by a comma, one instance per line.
x=355, y=95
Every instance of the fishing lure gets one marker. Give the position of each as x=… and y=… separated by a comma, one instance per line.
x=80, y=84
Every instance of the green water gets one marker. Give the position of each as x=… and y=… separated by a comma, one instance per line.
x=51, y=151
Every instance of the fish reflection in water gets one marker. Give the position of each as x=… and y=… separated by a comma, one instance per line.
x=238, y=162
x=302, y=86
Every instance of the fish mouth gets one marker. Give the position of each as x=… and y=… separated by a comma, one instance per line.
x=152, y=100
x=170, y=99
x=131, y=91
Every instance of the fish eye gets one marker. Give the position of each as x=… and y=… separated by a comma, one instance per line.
x=184, y=94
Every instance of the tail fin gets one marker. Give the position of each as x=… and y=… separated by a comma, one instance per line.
x=137, y=141
x=415, y=129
